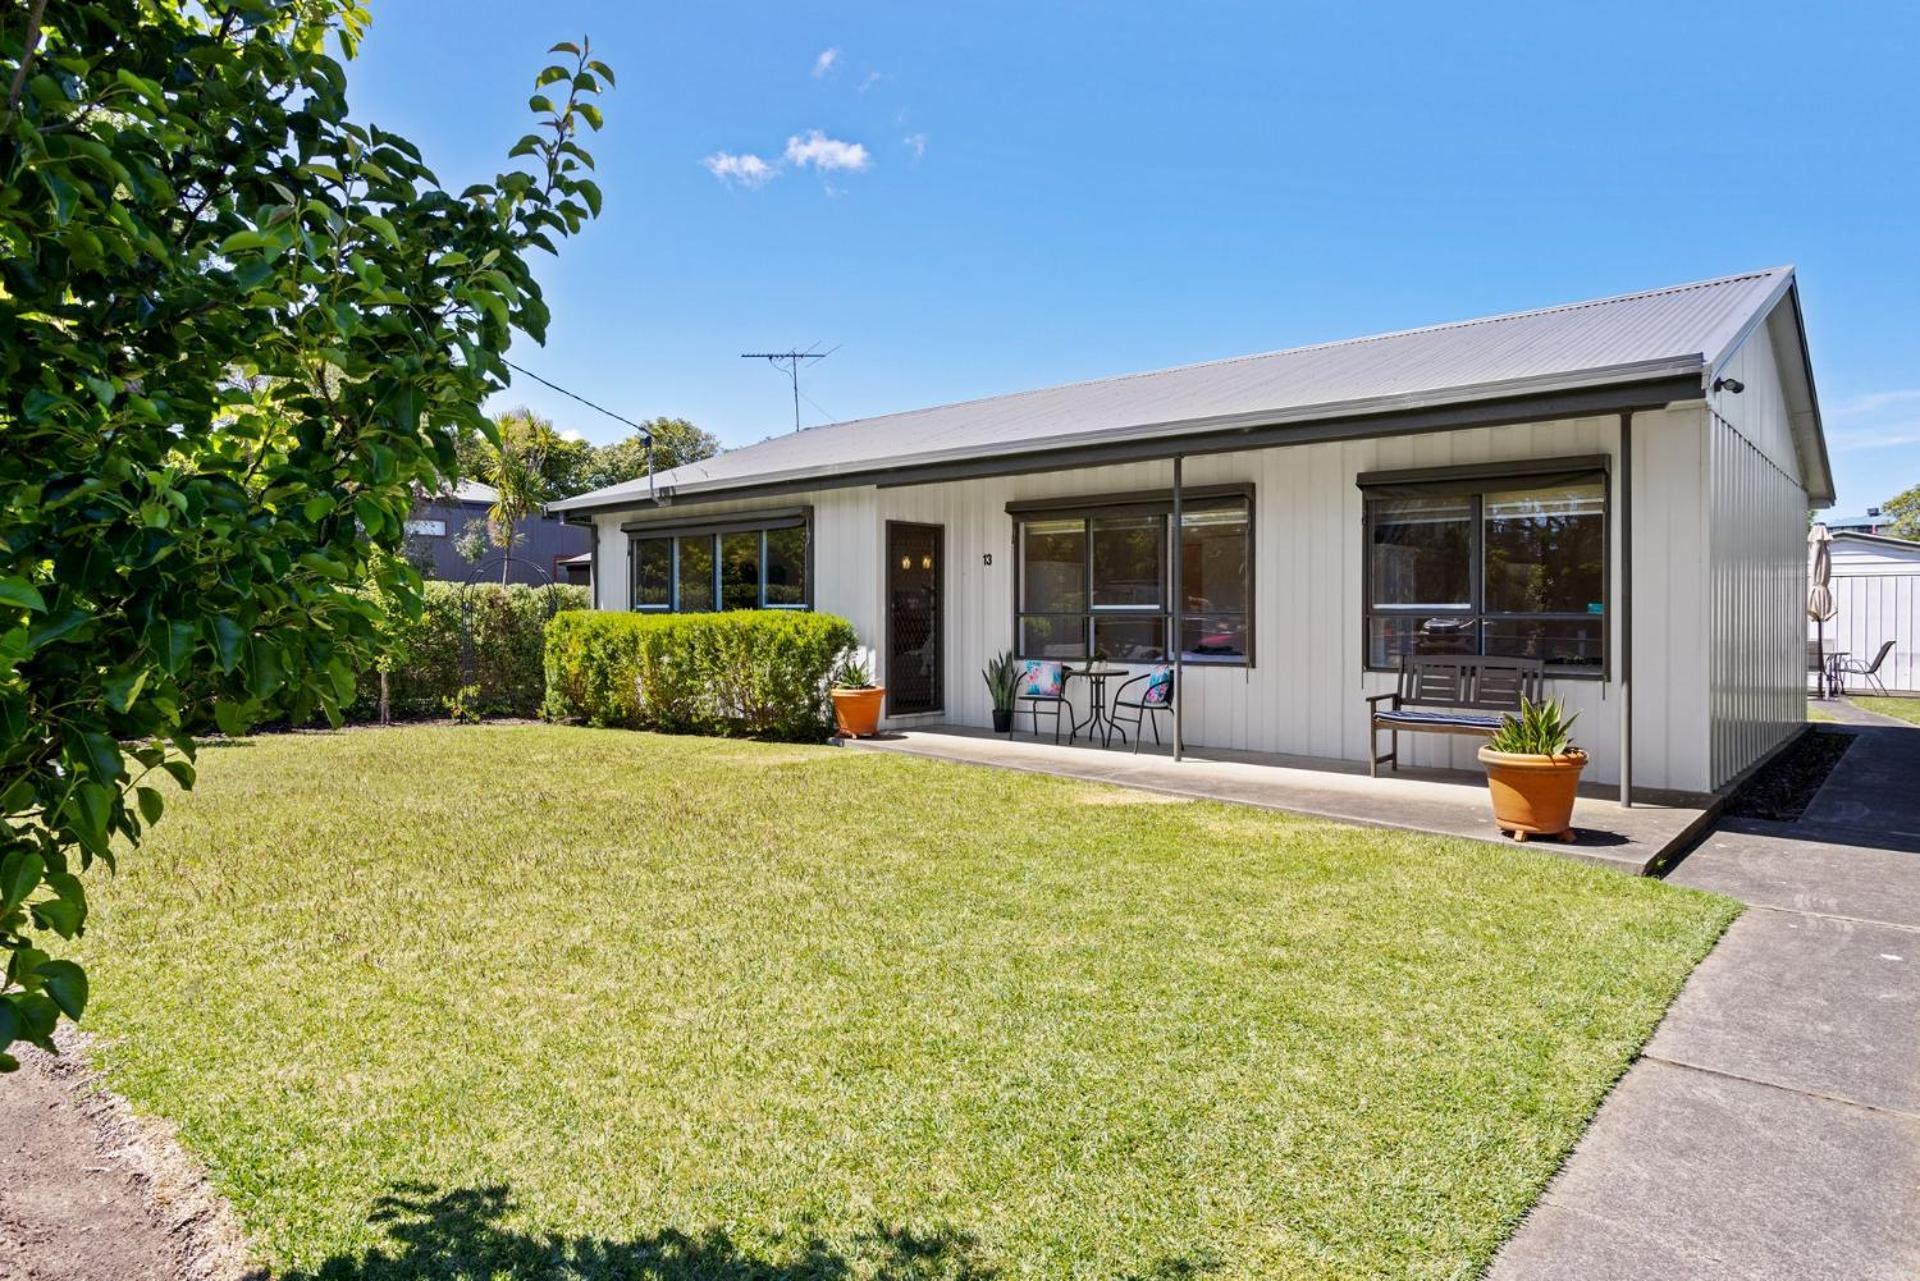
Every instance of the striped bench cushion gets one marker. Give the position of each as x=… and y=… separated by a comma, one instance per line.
x=1439, y=720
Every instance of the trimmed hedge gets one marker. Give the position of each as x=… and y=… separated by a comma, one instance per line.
x=509, y=664
x=753, y=672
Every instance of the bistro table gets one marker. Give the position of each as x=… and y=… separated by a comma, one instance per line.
x=1096, y=675
x=1836, y=679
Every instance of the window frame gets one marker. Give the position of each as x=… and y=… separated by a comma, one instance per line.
x=759, y=523
x=1476, y=481
x=1155, y=503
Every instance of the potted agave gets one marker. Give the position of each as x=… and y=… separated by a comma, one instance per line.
x=856, y=699
x=1533, y=769
x=1002, y=675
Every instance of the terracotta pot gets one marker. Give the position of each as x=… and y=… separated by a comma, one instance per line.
x=1533, y=795
x=857, y=711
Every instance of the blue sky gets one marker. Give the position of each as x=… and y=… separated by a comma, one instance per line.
x=970, y=199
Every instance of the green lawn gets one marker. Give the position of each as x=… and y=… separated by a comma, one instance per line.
x=1905, y=709
x=527, y=1001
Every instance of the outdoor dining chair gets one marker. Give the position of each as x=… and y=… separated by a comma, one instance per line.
x=1154, y=697
x=1817, y=668
x=1869, y=671
x=1042, y=684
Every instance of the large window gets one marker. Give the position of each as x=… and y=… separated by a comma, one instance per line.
x=743, y=564
x=1098, y=579
x=1510, y=566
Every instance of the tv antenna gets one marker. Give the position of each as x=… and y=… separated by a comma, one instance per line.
x=791, y=362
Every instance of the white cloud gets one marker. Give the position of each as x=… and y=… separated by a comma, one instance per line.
x=570, y=434
x=827, y=154
x=873, y=78
x=824, y=64
x=1877, y=437
x=744, y=170
x=1874, y=401
x=918, y=142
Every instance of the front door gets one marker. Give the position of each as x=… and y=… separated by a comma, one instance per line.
x=915, y=571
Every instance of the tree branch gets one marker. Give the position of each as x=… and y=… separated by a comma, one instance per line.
x=34, y=14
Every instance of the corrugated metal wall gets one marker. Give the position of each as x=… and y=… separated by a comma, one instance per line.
x=1872, y=609
x=1758, y=574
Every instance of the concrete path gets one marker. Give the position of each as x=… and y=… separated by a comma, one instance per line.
x=1772, y=1128
x=1636, y=840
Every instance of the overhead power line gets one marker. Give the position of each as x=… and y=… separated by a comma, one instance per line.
x=577, y=396
x=602, y=409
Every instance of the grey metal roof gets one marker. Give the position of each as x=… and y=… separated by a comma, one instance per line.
x=1682, y=329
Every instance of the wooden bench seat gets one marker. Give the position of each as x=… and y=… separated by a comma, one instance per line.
x=1451, y=694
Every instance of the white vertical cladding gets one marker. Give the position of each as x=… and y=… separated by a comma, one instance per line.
x=846, y=555
x=1758, y=562
x=613, y=578
x=1872, y=608
x=1757, y=636
x=1671, y=683
x=1303, y=695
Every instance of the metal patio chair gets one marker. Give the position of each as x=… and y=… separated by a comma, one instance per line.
x=1154, y=697
x=1817, y=668
x=1868, y=671
x=1042, y=683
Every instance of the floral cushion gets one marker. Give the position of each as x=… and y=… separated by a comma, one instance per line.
x=1158, y=691
x=1041, y=679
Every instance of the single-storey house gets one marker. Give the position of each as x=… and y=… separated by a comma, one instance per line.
x=1618, y=488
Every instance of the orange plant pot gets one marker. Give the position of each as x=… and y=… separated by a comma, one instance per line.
x=1533, y=795
x=857, y=711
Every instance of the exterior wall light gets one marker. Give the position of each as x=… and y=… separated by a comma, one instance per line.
x=1733, y=385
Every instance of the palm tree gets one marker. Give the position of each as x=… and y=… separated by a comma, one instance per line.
x=516, y=466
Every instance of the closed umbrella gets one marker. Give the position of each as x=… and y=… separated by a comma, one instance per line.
x=1820, y=604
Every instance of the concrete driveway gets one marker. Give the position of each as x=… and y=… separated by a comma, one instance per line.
x=1772, y=1128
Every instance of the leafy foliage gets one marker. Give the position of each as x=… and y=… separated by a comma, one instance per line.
x=852, y=672
x=1541, y=729
x=756, y=672
x=238, y=331
x=506, y=627
x=570, y=466
x=1903, y=513
x=676, y=442
x=1002, y=675
x=518, y=452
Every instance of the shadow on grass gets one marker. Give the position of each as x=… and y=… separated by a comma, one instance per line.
x=458, y=1235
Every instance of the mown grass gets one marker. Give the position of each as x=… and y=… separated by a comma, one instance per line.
x=533, y=1001
x=1904, y=709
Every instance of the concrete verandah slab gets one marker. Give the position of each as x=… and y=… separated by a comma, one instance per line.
x=1635, y=840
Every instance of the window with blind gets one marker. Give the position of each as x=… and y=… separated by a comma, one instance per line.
x=1511, y=564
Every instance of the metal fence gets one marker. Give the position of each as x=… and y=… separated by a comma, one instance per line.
x=1873, y=609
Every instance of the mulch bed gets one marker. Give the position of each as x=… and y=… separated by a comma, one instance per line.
x=1782, y=791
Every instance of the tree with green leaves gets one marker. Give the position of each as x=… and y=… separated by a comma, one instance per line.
x=518, y=453
x=238, y=332
x=1903, y=514
x=676, y=442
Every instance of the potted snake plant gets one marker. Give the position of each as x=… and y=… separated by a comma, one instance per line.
x=1533, y=770
x=1002, y=676
x=857, y=701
